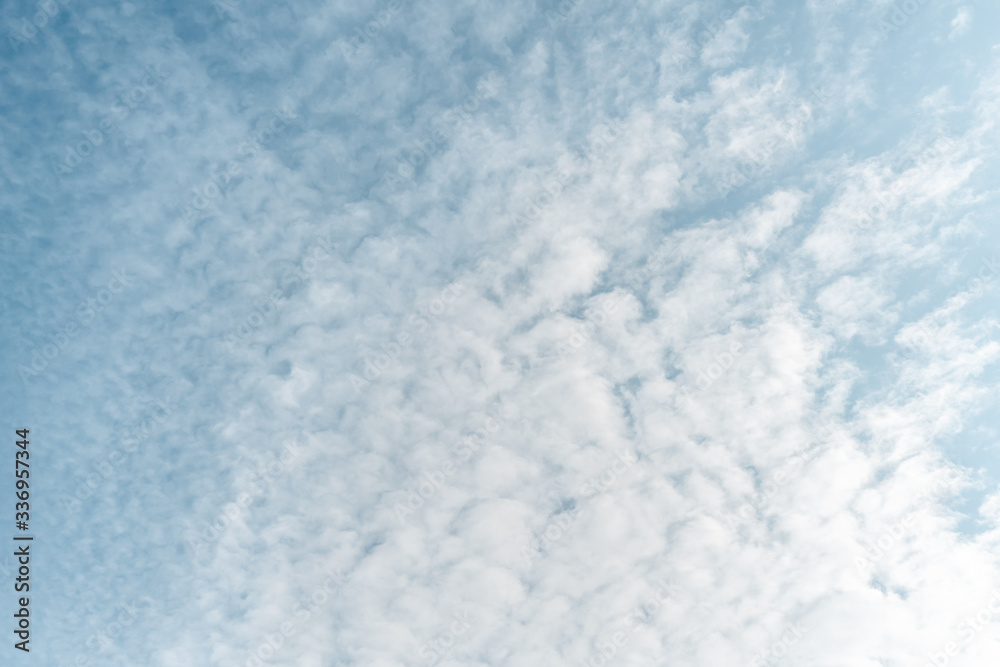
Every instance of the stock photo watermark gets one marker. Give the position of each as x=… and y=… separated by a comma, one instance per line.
x=29, y=26
x=265, y=309
x=432, y=481
x=878, y=204
x=106, y=466
x=440, y=646
x=637, y=620
x=260, y=482
x=893, y=534
x=769, y=488
x=559, y=178
x=969, y=629
x=122, y=107
x=636, y=278
x=103, y=640
x=376, y=362
x=755, y=162
x=365, y=37
x=899, y=16
x=223, y=174
x=708, y=30
x=271, y=642
x=417, y=153
x=86, y=312
x=774, y=654
x=584, y=333
x=920, y=334
x=559, y=525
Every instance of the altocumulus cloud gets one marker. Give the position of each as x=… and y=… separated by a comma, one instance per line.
x=553, y=303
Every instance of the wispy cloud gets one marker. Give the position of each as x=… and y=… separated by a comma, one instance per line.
x=560, y=333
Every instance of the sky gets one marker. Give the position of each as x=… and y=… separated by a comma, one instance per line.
x=433, y=333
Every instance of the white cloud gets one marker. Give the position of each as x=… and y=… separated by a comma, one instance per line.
x=667, y=318
x=960, y=24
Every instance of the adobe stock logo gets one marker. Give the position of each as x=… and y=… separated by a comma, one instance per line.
x=969, y=629
x=555, y=183
x=560, y=523
x=432, y=139
x=919, y=335
x=881, y=202
x=86, y=312
x=272, y=642
x=439, y=647
x=656, y=262
x=267, y=308
x=585, y=332
x=638, y=619
x=106, y=466
x=123, y=105
x=716, y=27
x=562, y=11
x=642, y=615
x=757, y=503
x=260, y=482
x=722, y=363
x=28, y=30
x=431, y=482
x=780, y=648
x=364, y=38
x=221, y=176
x=103, y=640
x=899, y=16
x=377, y=363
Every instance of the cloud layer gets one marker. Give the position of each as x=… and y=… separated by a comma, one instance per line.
x=565, y=333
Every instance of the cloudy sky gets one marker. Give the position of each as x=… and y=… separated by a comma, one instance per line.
x=401, y=333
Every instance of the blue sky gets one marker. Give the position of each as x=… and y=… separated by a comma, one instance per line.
x=508, y=335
